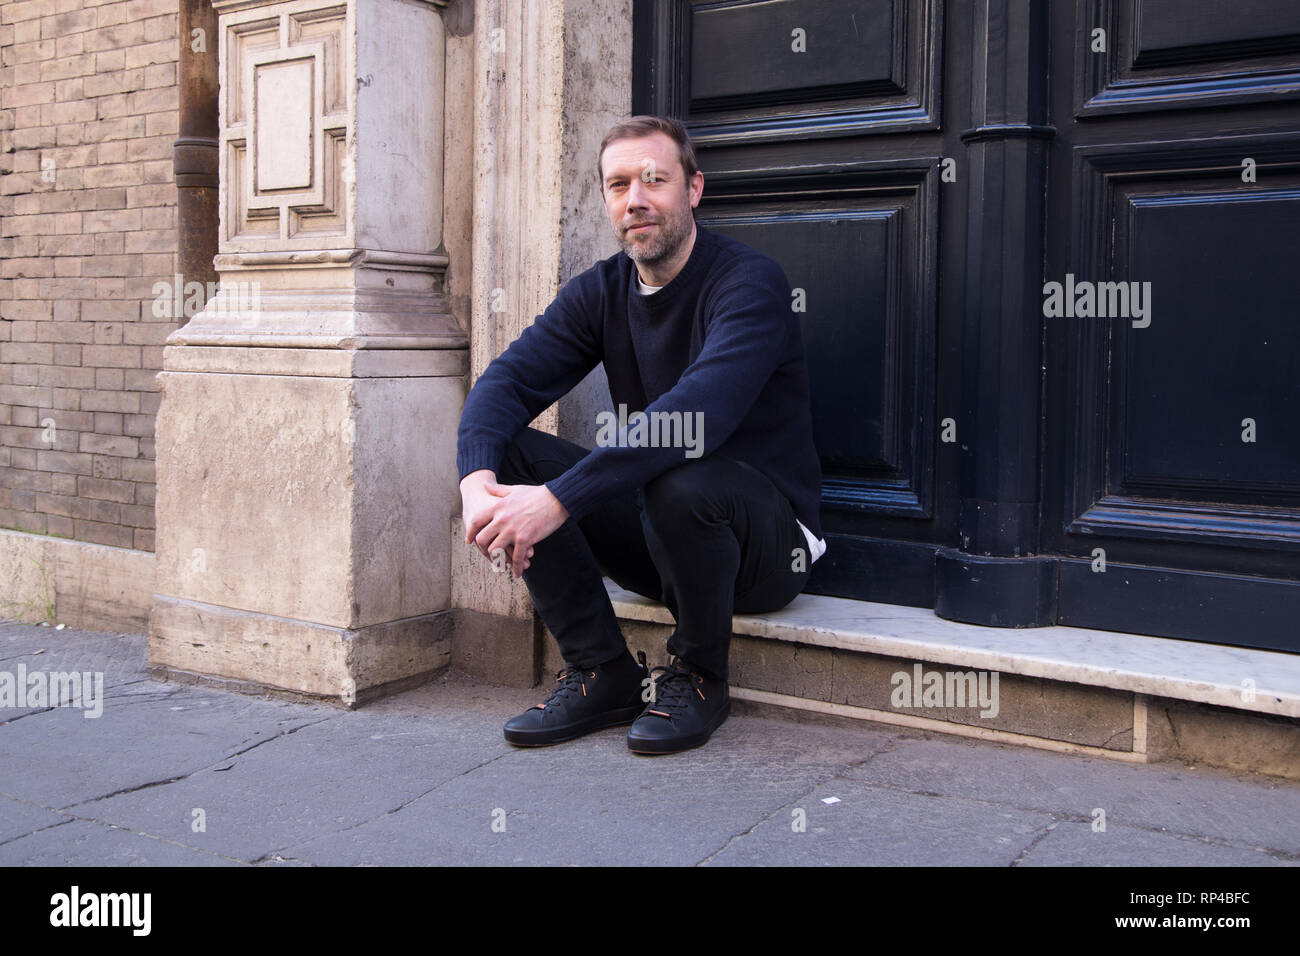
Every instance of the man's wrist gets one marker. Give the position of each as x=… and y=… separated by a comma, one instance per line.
x=480, y=477
x=564, y=512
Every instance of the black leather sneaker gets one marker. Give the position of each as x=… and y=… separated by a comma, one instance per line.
x=687, y=708
x=587, y=699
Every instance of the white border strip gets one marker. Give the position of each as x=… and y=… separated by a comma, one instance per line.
x=946, y=727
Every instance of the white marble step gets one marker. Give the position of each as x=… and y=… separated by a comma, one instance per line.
x=1266, y=682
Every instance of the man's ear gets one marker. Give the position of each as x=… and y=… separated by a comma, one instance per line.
x=697, y=188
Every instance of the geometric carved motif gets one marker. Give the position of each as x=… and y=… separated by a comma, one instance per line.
x=286, y=123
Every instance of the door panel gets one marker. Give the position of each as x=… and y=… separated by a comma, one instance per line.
x=1181, y=54
x=856, y=252
x=773, y=70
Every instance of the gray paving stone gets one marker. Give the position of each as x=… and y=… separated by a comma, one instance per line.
x=340, y=772
x=120, y=659
x=18, y=818
x=60, y=758
x=1073, y=843
x=1246, y=810
x=592, y=802
x=53, y=649
x=10, y=714
x=415, y=778
x=875, y=826
x=83, y=843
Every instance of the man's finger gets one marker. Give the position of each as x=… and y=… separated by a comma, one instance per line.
x=492, y=538
x=472, y=528
x=487, y=539
x=521, y=554
x=479, y=519
x=477, y=526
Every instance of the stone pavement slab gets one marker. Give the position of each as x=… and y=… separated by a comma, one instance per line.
x=1075, y=843
x=594, y=802
x=1254, y=812
x=19, y=818
x=425, y=777
x=334, y=774
x=86, y=843
x=153, y=734
x=872, y=826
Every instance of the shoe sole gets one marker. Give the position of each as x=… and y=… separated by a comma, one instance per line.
x=558, y=735
x=678, y=744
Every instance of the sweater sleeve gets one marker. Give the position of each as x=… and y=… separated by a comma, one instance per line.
x=746, y=338
x=548, y=359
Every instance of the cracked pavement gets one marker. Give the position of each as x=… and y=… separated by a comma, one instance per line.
x=174, y=774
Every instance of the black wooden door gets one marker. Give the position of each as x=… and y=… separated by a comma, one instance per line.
x=921, y=169
x=1173, y=440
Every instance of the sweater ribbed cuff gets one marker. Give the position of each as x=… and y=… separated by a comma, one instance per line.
x=577, y=490
x=478, y=455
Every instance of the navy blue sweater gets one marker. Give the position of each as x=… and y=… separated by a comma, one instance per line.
x=720, y=338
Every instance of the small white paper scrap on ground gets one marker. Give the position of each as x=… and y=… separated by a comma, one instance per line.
x=830, y=799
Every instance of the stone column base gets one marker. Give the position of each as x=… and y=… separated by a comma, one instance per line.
x=304, y=502
x=196, y=642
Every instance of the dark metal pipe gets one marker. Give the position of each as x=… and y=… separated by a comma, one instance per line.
x=194, y=154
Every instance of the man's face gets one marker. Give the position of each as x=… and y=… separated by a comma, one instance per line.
x=648, y=197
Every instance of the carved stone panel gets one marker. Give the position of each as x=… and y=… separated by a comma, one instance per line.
x=285, y=127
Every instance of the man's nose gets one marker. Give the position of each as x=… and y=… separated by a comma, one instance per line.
x=636, y=194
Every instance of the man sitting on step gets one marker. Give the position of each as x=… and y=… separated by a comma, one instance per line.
x=711, y=509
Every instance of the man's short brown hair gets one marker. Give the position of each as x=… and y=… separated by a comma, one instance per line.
x=637, y=126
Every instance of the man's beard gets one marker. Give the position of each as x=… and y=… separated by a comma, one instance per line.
x=668, y=239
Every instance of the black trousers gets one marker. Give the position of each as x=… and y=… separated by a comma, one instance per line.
x=705, y=538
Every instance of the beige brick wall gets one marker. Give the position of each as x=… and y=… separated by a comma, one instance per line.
x=88, y=113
